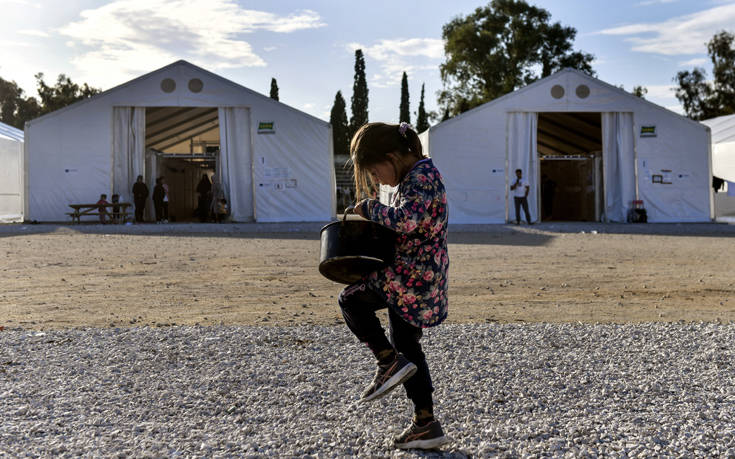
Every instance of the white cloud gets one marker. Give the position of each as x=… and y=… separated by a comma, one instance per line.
x=401, y=55
x=655, y=2
x=662, y=91
x=34, y=33
x=127, y=37
x=681, y=35
x=697, y=62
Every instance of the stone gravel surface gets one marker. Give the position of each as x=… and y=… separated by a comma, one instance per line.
x=501, y=390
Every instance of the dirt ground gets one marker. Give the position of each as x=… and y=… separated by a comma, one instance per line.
x=58, y=276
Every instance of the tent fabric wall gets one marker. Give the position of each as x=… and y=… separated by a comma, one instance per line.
x=471, y=149
x=235, y=164
x=75, y=151
x=523, y=154
x=618, y=164
x=11, y=180
x=723, y=162
x=128, y=150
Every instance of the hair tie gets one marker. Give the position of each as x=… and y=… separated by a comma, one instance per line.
x=402, y=129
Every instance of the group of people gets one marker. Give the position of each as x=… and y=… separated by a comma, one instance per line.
x=111, y=217
x=211, y=204
x=160, y=199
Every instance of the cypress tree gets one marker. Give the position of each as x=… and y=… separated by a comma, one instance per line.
x=359, y=95
x=340, y=128
x=422, y=121
x=404, y=113
x=274, y=89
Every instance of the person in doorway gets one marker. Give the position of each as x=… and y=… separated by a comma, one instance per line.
x=164, y=204
x=413, y=287
x=520, y=190
x=158, y=194
x=140, y=195
x=217, y=195
x=102, y=209
x=204, y=188
x=548, y=191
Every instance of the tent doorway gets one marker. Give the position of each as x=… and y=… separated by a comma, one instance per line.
x=182, y=144
x=570, y=172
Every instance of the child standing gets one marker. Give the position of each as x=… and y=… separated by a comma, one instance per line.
x=414, y=287
x=102, y=209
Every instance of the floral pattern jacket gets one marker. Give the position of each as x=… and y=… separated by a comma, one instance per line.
x=415, y=285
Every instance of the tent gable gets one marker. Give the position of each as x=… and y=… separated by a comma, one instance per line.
x=179, y=84
x=540, y=95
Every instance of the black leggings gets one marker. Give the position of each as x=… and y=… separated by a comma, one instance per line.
x=359, y=305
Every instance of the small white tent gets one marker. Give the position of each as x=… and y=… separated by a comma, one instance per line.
x=11, y=174
x=589, y=150
x=723, y=161
x=274, y=162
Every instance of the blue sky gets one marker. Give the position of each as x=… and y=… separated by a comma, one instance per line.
x=308, y=46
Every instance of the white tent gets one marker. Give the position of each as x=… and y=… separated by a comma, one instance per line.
x=11, y=174
x=723, y=161
x=274, y=162
x=604, y=147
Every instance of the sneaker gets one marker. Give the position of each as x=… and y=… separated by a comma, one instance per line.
x=429, y=436
x=388, y=376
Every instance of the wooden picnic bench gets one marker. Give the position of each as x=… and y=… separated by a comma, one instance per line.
x=84, y=210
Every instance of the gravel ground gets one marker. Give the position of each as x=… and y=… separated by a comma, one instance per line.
x=501, y=390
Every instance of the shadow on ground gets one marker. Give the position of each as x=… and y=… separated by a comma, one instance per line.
x=499, y=234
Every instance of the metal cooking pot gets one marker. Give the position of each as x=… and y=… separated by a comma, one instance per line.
x=354, y=247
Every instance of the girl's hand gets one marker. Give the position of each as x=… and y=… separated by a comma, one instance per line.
x=359, y=207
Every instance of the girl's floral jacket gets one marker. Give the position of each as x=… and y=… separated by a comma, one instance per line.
x=415, y=285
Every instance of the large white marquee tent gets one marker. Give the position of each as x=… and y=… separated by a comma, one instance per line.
x=274, y=162
x=11, y=174
x=723, y=161
x=589, y=149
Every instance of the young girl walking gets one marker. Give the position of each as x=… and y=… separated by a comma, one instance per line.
x=414, y=287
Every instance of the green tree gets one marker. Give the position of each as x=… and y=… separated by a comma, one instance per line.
x=15, y=108
x=422, y=120
x=340, y=127
x=404, y=113
x=500, y=48
x=640, y=91
x=702, y=99
x=274, y=89
x=359, y=101
x=64, y=92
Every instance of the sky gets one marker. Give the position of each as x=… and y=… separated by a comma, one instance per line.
x=309, y=46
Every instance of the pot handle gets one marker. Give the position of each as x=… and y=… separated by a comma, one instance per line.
x=349, y=209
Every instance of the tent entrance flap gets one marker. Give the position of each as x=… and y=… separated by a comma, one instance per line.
x=522, y=154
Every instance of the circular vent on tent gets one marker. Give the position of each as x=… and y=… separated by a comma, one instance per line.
x=583, y=91
x=168, y=85
x=557, y=92
x=195, y=85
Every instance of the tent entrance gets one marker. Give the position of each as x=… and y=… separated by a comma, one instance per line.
x=182, y=144
x=569, y=146
x=182, y=174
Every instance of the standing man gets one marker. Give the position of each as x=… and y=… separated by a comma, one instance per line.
x=140, y=194
x=520, y=190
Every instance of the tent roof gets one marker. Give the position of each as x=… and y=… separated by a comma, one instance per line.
x=9, y=132
x=593, y=80
x=723, y=128
x=235, y=86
